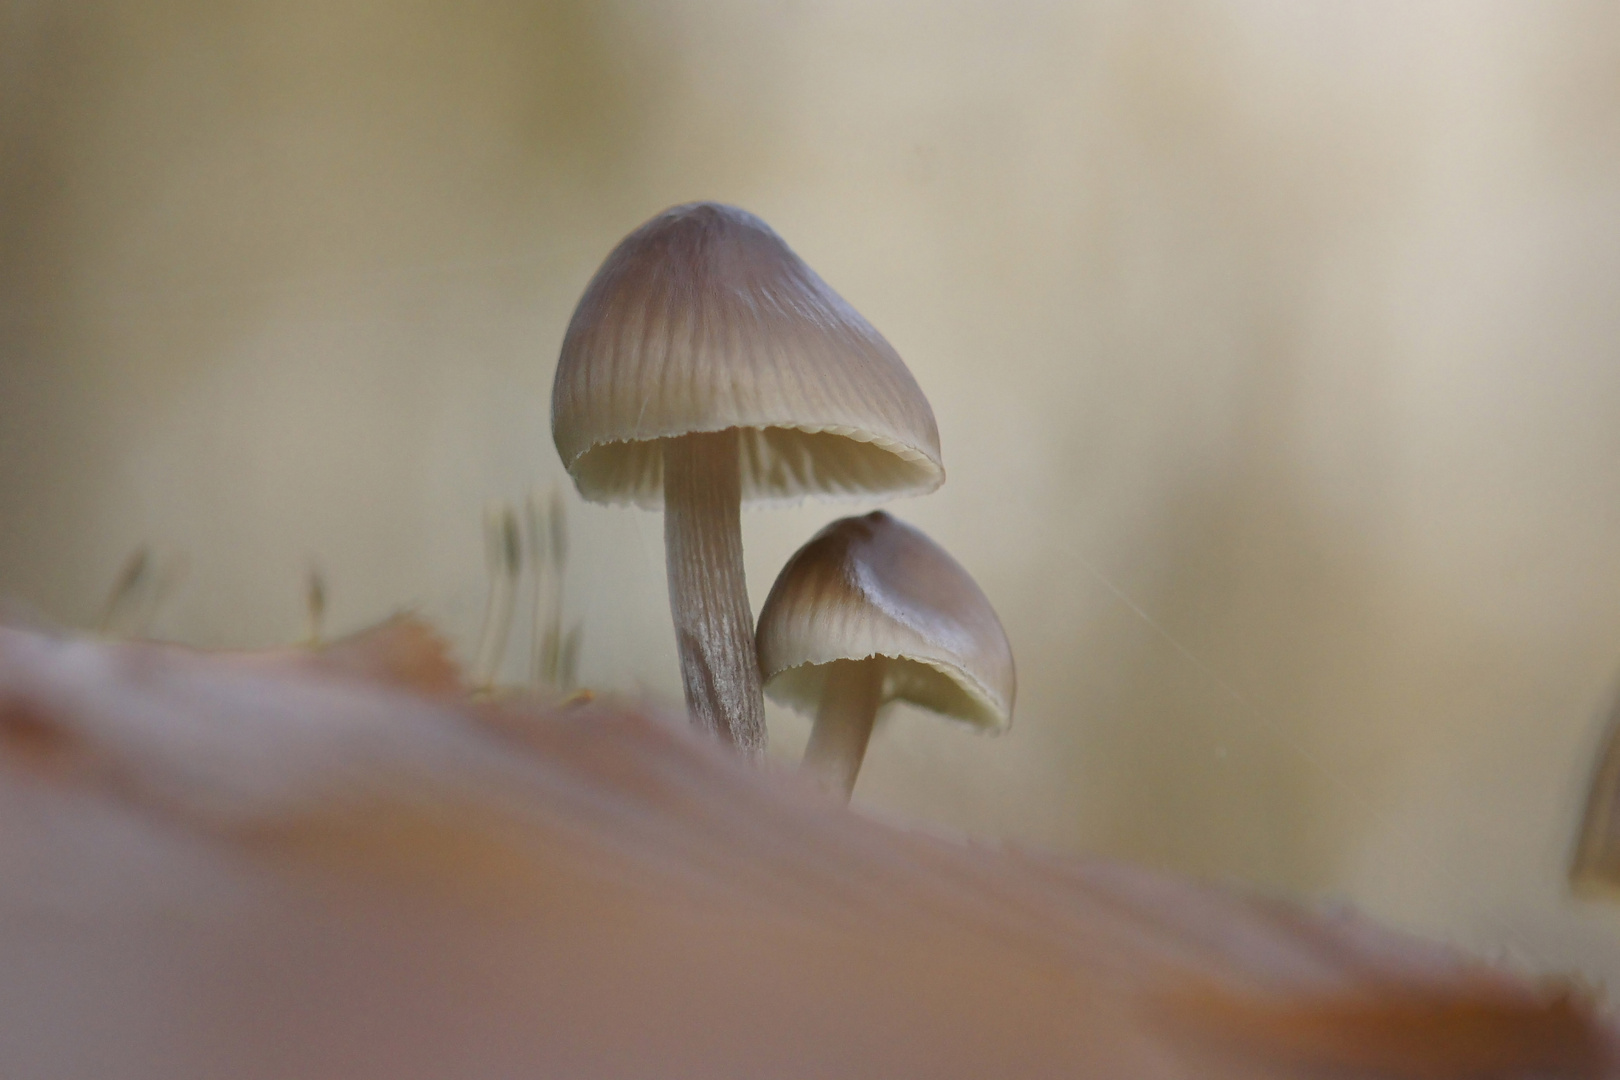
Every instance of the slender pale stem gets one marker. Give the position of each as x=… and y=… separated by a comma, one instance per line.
x=505, y=558
x=548, y=553
x=540, y=562
x=708, y=596
x=553, y=637
x=315, y=605
x=125, y=591
x=849, y=705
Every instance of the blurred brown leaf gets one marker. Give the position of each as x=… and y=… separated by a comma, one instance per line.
x=402, y=651
x=211, y=867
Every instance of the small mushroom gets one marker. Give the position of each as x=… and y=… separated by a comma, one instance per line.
x=707, y=366
x=872, y=611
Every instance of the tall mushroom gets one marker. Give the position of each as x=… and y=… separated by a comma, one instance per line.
x=707, y=366
x=872, y=611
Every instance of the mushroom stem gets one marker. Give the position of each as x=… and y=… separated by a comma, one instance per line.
x=708, y=595
x=849, y=706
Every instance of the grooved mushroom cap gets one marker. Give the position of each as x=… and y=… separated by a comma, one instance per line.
x=874, y=586
x=704, y=319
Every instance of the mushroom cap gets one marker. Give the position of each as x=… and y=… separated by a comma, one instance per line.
x=875, y=586
x=704, y=319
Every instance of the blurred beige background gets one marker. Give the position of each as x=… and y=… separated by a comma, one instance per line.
x=1275, y=349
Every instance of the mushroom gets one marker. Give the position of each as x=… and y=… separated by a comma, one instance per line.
x=872, y=611
x=707, y=366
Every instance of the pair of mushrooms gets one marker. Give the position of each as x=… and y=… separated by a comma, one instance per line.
x=707, y=366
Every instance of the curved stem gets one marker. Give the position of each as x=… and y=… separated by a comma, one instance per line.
x=849, y=706
x=504, y=555
x=548, y=555
x=708, y=595
x=315, y=605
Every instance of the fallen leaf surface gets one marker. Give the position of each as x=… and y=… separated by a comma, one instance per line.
x=211, y=868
